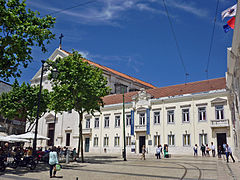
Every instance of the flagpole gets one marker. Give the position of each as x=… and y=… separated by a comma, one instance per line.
x=124, y=136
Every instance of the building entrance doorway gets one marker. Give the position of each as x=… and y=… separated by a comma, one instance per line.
x=221, y=139
x=141, y=143
x=51, y=130
x=87, y=144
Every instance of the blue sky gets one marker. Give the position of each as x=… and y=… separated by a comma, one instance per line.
x=134, y=37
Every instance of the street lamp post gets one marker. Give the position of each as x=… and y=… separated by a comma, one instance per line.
x=124, y=135
x=38, y=107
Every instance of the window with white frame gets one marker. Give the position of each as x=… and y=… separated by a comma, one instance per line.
x=128, y=140
x=202, y=113
x=170, y=116
x=117, y=141
x=156, y=140
x=186, y=140
x=185, y=115
x=106, y=141
x=95, y=141
x=96, y=123
x=157, y=117
x=106, y=121
x=171, y=140
x=219, y=112
x=128, y=120
x=117, y=121
x=203, y=139
x=87, y=123
x=141, y=118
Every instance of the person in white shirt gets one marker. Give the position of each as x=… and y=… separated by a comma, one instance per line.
x=158, y=152
x=229, y=152
x=195, y=148
x=53, y=161
x=213, y=149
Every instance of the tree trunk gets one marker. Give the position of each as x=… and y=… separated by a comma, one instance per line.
x=80, y=140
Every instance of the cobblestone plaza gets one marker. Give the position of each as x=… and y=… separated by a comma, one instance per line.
x=113, y=167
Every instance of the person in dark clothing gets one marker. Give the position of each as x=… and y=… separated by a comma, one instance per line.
x=203, y=149
x=219, y=151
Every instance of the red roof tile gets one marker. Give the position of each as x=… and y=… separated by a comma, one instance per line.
x=116, y=72
x=180, y=89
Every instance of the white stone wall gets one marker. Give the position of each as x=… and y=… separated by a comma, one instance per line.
x=68, y=122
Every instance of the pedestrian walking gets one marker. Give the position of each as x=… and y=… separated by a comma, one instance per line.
x=203, y=149
x=143, y=152
x=53, y=161
x=195, y=149
x=207, y=150
x=229, y=153
x=158, y=152
x=220, y=151
x=74, y=153
x=213, y=149
x=224, y=150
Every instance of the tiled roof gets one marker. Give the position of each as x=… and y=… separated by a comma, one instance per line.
x=116, y=72
x=188, y=88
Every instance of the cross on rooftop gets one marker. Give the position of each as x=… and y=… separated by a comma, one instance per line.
x=60, y=44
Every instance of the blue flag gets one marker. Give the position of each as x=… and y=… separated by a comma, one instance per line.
x=226, y=28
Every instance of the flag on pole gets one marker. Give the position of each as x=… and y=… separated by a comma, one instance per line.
x=230, y=24
x=230, y=12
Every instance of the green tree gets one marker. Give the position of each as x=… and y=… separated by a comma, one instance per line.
x=20, y=30
x=21, y=102
x=78, y=86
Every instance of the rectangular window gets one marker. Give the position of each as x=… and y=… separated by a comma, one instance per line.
x=203, y=139
x=96, y=123
x=156, y=117
x=119, y=88
x=170, y=117
x=185, y=115
x=186, y=140
x=105, y=141
x=171, y=140
x=106, y=121
x=128, y=140
x=128, y=120
x=219, y=112
x=95, y=142
x=87, y=123
x=156, y=140
x=202, y=113
x=117, y=121
x=67, y=139
x=142, y=119
x=116, y=141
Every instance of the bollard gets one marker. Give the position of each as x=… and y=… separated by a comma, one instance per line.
x=67, y=157
x=76, y=178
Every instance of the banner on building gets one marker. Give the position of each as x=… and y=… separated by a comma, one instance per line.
x=148, y=121
x=132, y=122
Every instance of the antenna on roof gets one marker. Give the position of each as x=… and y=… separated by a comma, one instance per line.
x=186, y=76
x=60, y=43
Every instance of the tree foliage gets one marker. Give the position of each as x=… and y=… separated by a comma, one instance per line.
x=20, y=30
x=21, y=103
x=79, y=86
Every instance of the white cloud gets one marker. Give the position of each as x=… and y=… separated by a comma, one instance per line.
x=189, y=7
x=101, y=12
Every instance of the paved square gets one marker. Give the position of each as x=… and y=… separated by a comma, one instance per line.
x=113, y=167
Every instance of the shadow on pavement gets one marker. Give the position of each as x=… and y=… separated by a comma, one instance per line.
x=100, y=159
x=20, y=171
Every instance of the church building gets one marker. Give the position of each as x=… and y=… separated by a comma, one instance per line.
x=180, y=116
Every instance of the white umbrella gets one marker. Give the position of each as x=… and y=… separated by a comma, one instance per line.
x=30, y=136
x=12, y=139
